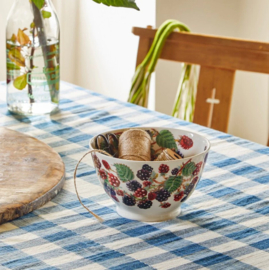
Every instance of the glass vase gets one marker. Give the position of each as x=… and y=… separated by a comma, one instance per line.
x=32, y=53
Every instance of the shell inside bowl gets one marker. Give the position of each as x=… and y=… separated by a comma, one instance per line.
x=153, y=190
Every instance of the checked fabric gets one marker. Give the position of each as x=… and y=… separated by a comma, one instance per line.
x=224, y=224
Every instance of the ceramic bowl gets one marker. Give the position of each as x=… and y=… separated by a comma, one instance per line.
x=153, y=190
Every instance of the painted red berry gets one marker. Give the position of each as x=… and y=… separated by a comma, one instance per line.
x=166, y=205
x=179, y=196
x=146, y=183
x=106, y=165
x=115, y=198
x=103, y=174
x=140, y=192
x=152, y=196
x=96, y=161
x=186, y=142
x=113, y=180
x=120, y=192
x=163, y=168
x=199, y=165
x=198, y=168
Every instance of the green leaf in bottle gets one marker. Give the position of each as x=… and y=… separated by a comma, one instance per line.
x=39, y=3
x=16, y=57
x=20, y=82
x=46, y=14
x=11, y=66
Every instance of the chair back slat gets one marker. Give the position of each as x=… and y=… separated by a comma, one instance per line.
x=219, y=59
x=222, y=81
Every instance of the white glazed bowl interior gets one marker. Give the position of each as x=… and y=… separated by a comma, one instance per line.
x=153, y=190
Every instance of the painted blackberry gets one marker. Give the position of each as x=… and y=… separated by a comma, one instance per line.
x=130, y=201
x=146, y=183
x=133, y=185
x=103, y=174
x=179, y=196
x=147, y=168
x=96, y=161
x=162, y=195
x=166, y=205
x=105, y=163
x=179, y=153
x=113, y=180
x=110, y=191
x=186, y=142
x=120, y=192
x=145, y=204
x=115, y=198
x=163, y=168
x=175, y=171
x=198, y=168
x=140, y=192
x=152, y=196
x=143, y=174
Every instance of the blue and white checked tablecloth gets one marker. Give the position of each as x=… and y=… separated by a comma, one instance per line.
x=224, y=225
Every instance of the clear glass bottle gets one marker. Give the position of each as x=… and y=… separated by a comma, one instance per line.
x=32, y=49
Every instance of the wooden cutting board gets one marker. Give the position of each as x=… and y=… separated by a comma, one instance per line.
x=31, y=174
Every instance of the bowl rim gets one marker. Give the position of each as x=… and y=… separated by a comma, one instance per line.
x=162, y=161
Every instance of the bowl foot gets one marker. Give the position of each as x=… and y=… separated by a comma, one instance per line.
x=148, y=218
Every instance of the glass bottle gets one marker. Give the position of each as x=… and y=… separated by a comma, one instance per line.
x=32, y=50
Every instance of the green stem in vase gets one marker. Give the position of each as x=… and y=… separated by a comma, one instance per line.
x=30, y=90
x=49, y=65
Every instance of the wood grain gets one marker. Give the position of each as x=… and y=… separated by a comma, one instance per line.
x=225, y=53
x=219, y=58
x=31, y=174
x=222, y=80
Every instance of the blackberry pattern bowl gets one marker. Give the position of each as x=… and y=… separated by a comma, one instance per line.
x=153, y=190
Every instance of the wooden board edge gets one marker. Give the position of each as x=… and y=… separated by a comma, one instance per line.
x=26, y=209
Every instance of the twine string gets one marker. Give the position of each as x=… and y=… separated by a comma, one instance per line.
x=135, y=144
x=75, y=182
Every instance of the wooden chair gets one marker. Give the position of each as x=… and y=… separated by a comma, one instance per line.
x=218, y=58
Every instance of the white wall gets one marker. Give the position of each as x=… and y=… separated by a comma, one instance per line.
x=5, y=7
x=242, y=19
x=102, y=52
x=98, y=50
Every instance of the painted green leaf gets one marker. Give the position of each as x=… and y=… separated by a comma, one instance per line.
x=16, y=57
x=39, y=3
x=124, y=172
x=188, y=169
x=118, y=3
x=20, y=82
x=46, y=14
x=11, y=66
x=166, y=139
x=173, y=183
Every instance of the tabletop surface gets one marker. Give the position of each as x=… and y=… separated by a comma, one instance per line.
x=224, y=224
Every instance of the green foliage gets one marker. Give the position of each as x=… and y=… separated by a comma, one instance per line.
x=39, y=3
x=12, y=66
x=173, y=183
x=141, y=81
x=189, y=169
x=20, y=82
x=166, y=139
x=46, y=14
x=124, y=172
x=118, y=3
